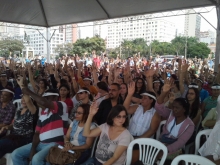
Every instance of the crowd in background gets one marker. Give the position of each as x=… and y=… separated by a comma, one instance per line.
x=76, y=99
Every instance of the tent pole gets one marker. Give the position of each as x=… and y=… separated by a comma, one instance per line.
x=217, y=52
x=48, y=45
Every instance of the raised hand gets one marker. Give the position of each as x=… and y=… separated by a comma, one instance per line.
x=150, y=73
x=20, y=81
x=184, y=67
x=93, y=108
x=131, y=88
x=167, y=86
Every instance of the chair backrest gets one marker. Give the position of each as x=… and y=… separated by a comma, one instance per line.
x=148, y=151
x=192, y=160
x=17, y=103
x=205, y=132
x=94, y=144
x=159, y=130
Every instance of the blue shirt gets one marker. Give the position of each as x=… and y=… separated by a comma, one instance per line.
x=43, y=61
x=203, y=94
x=210, y=63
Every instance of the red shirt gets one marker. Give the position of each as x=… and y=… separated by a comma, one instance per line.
x=69, y=104
x=208, y=88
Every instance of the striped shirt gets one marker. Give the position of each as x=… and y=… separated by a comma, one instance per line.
x=52, y=125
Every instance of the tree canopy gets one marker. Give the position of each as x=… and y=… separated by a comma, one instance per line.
x=9, y=46
x=82, y=46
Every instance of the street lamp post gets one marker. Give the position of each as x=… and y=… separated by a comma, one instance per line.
x=186, y=48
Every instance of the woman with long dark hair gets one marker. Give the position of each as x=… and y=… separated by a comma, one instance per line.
x=123, y=91
x=140, y=87
x=64, y=91
x=193, y=99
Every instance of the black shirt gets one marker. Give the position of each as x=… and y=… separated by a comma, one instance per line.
x=104, y=109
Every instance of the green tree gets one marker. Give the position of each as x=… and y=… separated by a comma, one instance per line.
x=200, y=50
x=9, y=46
x=130, y=47
x=83, y=46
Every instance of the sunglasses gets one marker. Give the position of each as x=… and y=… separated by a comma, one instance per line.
x=119, y=117
x=78, y=113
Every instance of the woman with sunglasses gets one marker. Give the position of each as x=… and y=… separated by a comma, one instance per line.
x=75, y=140
x=83, y=97
x=114, y=137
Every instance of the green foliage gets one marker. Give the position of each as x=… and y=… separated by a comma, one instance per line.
x=83, y=46
x=131, y=47
x=200, y=50
x=9, y=46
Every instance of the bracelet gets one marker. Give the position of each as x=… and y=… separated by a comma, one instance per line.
x=67, y=141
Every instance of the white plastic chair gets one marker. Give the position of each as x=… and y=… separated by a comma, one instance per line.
x=8, y=159
x=94, y=144
x=148, y=151
x=159, y=130
x=192, y=160
x=18, y=103
x=205, y=132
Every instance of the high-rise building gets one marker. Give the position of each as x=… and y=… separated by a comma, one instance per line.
x=192, y=24
x=208, y=37
x=140, y=27
x=71, y=33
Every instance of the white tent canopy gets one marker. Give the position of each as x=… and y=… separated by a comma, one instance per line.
x=49, y=13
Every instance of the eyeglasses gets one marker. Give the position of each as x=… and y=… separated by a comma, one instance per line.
x=119, y=117
x=78, y=113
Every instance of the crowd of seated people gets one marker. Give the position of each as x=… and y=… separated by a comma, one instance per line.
x=66, y=107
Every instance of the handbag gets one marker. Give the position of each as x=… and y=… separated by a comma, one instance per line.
x=165, y=137
x=57, y=156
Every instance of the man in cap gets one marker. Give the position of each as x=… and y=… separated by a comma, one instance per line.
x=7, y=108
x=202, y=92
x=51, y=127
x=84, y=98
x=211, y=101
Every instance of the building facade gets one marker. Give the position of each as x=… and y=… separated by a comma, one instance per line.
x=192, y=24
x=140, y=27
x=208, y=37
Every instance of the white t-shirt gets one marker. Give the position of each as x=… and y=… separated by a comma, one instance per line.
x=176, y=128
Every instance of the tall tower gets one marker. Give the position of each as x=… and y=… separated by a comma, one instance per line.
x=192, y=24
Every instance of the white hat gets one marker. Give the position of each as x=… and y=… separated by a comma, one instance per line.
x=83, y=90
x=50, y=94
x=193, y=86
x=147, y=94
x=215, y=87
x=7, y=90
x=87, y=79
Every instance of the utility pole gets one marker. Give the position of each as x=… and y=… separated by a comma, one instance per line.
x=186, y=48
